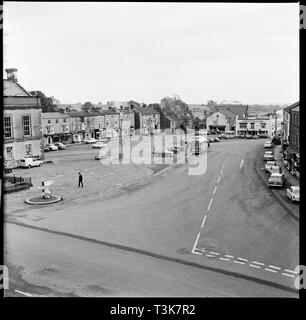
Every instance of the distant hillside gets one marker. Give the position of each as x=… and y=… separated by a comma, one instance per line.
x=260, y=108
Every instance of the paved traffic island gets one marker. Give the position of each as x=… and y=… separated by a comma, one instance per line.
x=39, y=200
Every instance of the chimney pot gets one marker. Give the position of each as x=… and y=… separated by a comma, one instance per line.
x=11, y=74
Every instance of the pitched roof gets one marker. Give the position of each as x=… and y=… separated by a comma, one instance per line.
x=146, y=110
x=13, y=89
x=54, y=115
x=235, y=109
x=292, y=106
x=84, y=114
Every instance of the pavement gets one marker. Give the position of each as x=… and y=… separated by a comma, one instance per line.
x=222, y=232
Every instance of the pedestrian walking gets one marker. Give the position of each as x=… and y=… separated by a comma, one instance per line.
x=80, y=180
x=208, y=144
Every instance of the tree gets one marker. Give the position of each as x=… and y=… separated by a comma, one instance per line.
x=176, y=109
x=46, y=102
x=87, y=106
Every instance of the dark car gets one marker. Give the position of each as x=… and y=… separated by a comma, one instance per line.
x=7, y=170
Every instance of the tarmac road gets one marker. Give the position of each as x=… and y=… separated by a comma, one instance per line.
x=245, y=234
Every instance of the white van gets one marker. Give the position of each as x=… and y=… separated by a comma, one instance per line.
x=30, y=162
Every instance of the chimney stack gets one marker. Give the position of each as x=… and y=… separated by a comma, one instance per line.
x=11, y=74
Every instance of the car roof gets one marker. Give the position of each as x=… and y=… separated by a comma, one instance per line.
x=276, y=174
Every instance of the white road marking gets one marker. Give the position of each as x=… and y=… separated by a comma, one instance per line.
x=24, y=293
x=219, y=179
x=273, y=267
x=203, y=222
x=211, y=200
x=239, y=262
x=215, y=189
x=225, y=259
x=288, y=275
x=291, y=271
x=209, y=256
x=242, y=259
x=223, y=164
x=261, y=264
x=221, y=171
x=270, y=270
x=228, y=256
x=241, y=163
x=254, y=266
x=196, y=242
x=216, y=253
x=195, y=252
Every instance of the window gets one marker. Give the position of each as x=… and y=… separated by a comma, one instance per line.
x=8, y=127
x=28, y=150
x=49, y=121
x=26, y=125
x=243, y=125
x=56, y=121
x=64, y=120
x=252, y=125
x=9, y=153
x=263, y=125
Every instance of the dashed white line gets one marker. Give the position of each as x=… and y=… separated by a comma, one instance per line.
x=288, y=275
x=223, y=164
x=221, y=171
x=24, y=293
x=241, y=163
x=216, y=253
x=254, y=266
x=270, y=270
x=273, y=267
x=225, y=259
x=195, y=252
x=228, y=256
x=239, y=262
x=291, y=271
x=219, y=179
x=211, y=200
x=203, y=222
x=261, y=264
x=215, y=190
x=242, y=259
x=209, y=256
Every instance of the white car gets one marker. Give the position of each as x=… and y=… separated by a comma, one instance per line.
x=273, y=169
x=268, y=156
x=61, y=146
x=293, y=193
x=268, y=144
x=269, y=164
x=30, y=162
x=91, y=140
x=52, y=147
x=98, y=145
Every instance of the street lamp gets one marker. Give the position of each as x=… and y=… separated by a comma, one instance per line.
x=120, y=137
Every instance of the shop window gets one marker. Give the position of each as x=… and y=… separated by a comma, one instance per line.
x=28, y=150
x=9, y=153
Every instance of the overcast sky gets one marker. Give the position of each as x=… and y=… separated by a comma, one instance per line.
x=99, y=52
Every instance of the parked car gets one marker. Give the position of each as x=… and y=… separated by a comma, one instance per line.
x=263, y=135
x=98, y=145
x=273, y=169
x=60, y=145
x=30, y=162
x=255, y=136
x=52, y=147
x=276, y=180
x=270, y=164
x=46, y=149
x=269, y=156
x=216, y=140
x=268, y=144
x=90, y=140
x=222, y=136
x=293, y=193
x=211, y=140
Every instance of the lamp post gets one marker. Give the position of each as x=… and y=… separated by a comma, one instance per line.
x=120, y=137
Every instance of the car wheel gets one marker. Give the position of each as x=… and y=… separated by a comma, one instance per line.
x=40, y=164
x=29, y=167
